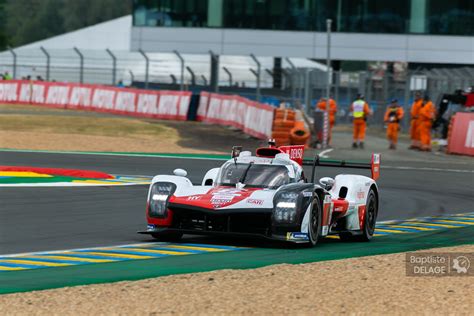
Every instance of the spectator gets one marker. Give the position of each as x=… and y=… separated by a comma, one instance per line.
x=120, y=84
x=7, y=76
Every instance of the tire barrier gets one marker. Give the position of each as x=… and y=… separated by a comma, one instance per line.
x=461, y=134
x=287, y=130
x=159, y=104
x=299, y=135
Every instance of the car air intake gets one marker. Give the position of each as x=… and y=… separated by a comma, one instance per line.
x=342, y=192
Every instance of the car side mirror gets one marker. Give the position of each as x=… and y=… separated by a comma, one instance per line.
x=327, y=182
x=180, y=172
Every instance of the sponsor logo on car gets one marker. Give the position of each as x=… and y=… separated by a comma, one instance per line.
x=150, y=227
x=194, y=198
x=297, y=236
x=224, y=196
x=360, y=194
x=307, y=194
x=255, y=201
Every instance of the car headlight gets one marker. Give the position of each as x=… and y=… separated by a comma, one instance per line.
x=285, y=207
x=159, y=195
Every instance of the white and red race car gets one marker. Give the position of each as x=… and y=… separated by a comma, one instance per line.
x=266, y=195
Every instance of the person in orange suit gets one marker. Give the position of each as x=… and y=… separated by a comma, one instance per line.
x=360, y=111
x=332, y=113
x=426, y=115
x=414, y=131
x=392, y=118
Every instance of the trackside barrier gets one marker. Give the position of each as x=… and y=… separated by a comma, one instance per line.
x=252, y=117
x=461, y=136
x=161, y=104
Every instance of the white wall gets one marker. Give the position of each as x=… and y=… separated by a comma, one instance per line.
x=345, y=46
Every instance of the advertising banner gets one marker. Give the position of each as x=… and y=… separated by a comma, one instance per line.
x=253, y=118
x=160, y=104
x=461, y=138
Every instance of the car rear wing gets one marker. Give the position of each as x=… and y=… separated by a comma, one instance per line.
x=374, y=165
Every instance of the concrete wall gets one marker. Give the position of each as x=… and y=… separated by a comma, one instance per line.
x=345, y=46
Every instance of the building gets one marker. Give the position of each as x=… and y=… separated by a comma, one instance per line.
x=414, y=31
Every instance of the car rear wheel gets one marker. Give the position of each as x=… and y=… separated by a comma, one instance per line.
x=370, y=218
x=371, y=210
x=314, y=225
x=167, y=236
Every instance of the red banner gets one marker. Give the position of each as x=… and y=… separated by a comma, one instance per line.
x=461, y=138
x=252, y=117
x=161, y=104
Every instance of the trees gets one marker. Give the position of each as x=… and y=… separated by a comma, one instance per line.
x=3, y=37
x=26, y=21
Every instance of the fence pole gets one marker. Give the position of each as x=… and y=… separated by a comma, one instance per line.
x=227, y=71
x=406, y=119
x=307, y=97
x=204, y=79
x=132, y=76
x=214, y=72
x=193, y=76
x=14, y=62
x=181, y=59
x=48, y=61
x=293, y=78
x=328, y=72
x=81, y=67
x=114, y=66
x=147, y=67
x=259, y=69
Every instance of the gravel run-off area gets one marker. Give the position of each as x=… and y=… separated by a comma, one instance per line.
x=369, y=285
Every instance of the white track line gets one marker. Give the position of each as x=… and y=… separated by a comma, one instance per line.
x=324, y=152
x=427, y=169
x=223, y=159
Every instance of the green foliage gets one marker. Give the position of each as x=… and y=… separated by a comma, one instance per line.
x=26, y=21
x=3, y=36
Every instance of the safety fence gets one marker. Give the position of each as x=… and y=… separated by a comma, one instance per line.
x=252, y=117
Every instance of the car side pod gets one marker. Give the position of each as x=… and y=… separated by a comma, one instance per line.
x=373, y=166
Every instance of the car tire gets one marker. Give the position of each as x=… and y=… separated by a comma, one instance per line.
x=371, y=211
x=167, y=236
x=370, y=219
x=314, y=228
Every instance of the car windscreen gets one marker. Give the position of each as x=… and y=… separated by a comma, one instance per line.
x=254, y=175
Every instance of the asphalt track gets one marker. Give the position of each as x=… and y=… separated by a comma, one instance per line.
x=38, y=219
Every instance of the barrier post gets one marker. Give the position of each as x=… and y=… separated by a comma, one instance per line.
x=147, y=67
x=227, y=71
x=81, y=65
x=259, y=69
x=114, y=66
x=14, y=62
x=181, y=59
x=48, y=61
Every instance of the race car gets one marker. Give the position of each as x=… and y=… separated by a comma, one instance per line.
x=266, y=195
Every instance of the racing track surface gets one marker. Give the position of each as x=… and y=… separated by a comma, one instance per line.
x=37, y=219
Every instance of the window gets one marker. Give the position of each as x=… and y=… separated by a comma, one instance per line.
x=453, y=17
x=254, y=175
